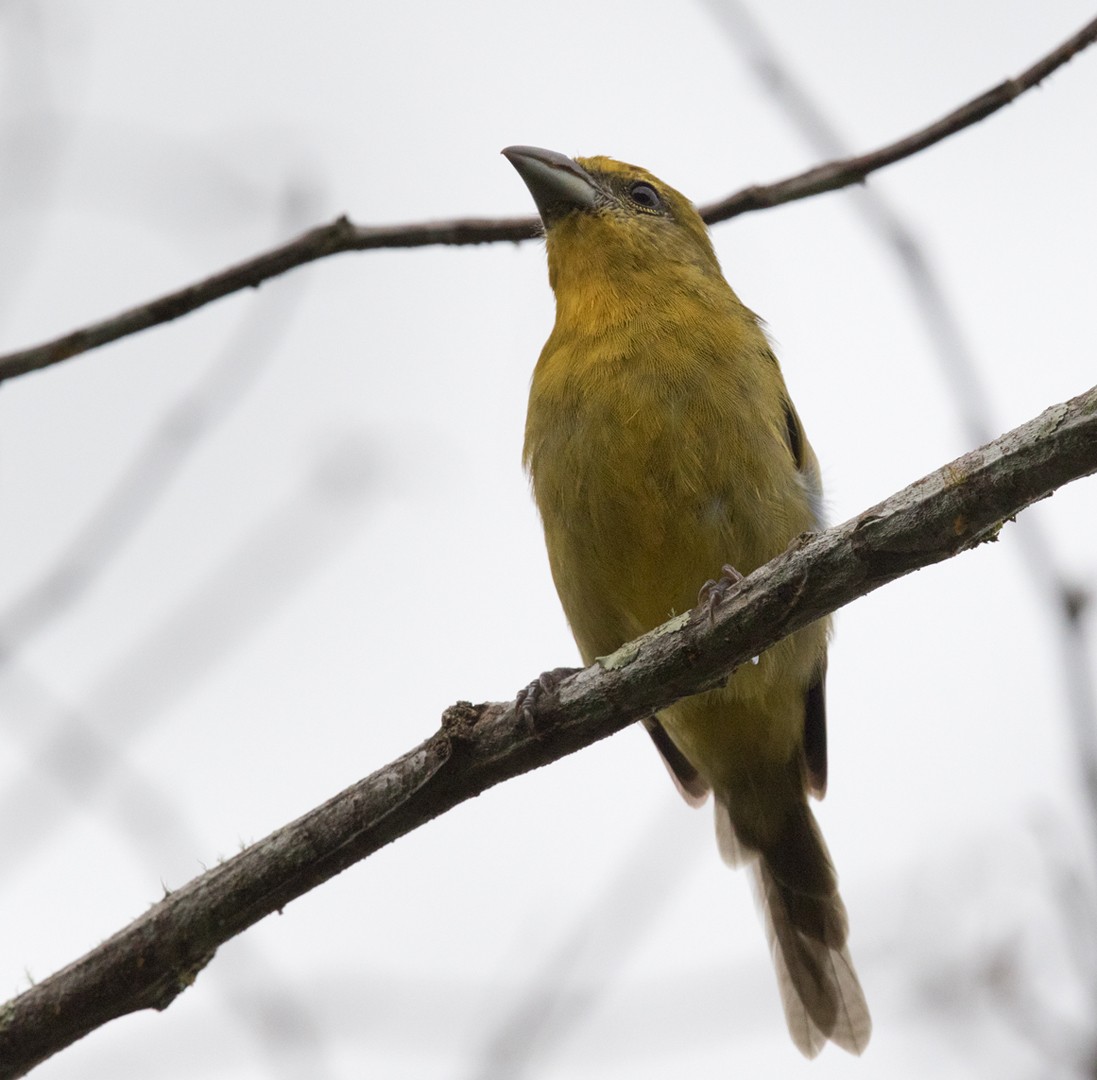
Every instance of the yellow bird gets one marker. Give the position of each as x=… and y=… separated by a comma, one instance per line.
x=662, y=444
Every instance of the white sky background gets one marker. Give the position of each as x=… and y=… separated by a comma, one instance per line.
x=348, y=545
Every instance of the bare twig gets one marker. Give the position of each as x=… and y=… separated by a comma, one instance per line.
x=839, y=174
x=151, y=961
x=342, y=235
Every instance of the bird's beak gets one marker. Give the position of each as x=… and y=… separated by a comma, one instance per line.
x=558, y=184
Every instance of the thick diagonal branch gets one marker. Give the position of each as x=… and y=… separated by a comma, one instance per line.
x=147, y=964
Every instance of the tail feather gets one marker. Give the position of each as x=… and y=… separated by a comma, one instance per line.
x=807, y=928
x=820, y=992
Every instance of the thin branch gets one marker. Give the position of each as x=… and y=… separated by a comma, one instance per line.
x=839, y=174
x=342, y=235
x=339, y=236
x=156, y=957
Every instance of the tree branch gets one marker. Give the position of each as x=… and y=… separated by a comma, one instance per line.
x=342, y=235
x=833, y=175
x=147, y=964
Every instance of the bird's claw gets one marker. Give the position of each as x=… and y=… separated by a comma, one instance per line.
x=529, y=698
x=713, y=592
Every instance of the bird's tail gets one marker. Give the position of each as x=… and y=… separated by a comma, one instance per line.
x=807, y=929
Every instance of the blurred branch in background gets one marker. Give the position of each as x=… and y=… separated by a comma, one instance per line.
x=84, y=751
x=587, y=963
x=1066, y=601
x=169, y=446
x=253, y=990
x=82, y=748
x=982, y=950
x=78, y=751
x=33, y=143
x=1067, y=1041
x=341, y=235
x=960, y=506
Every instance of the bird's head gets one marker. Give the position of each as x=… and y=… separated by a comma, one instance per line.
x=608, y=220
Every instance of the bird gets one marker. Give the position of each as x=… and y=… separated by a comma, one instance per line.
x=662, y=445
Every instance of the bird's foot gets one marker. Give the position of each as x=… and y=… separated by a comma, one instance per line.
x=713, y=591
x=529, y=698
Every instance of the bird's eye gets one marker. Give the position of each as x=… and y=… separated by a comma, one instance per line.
x=643, y=194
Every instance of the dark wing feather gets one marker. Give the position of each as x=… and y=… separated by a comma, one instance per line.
x=687, y=779
x=815, y=735
x=795, y=434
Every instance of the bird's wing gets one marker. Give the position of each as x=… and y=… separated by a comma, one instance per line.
x=815, y=735
x=690, y=783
